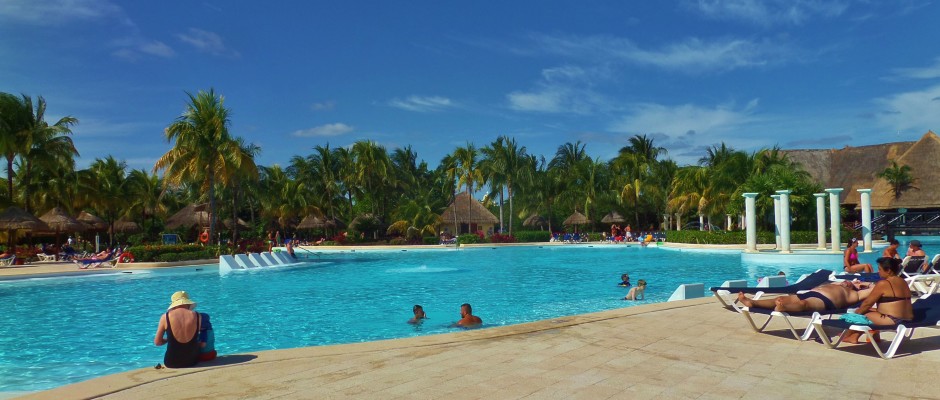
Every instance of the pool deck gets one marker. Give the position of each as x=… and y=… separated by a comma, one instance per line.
x=688, y=349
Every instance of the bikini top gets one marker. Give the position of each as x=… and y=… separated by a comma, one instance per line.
x=890, y=299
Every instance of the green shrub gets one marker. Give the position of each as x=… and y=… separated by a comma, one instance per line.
x=469, y=238
x=532, y=236
x=431, y=240
x=595, y=237
x=151, y=253
x=398, y=241
x=740, y=237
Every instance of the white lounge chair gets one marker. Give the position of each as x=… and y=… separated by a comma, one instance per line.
x=43, y=257
x=6, y=262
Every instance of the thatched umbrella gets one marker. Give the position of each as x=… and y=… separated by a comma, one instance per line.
x=241, y=223
x=124, y=226
x=577, y=219
x=613, y=217
x=535, y=220
x=14, y=218
x=60, y=221
x=92, y=221
x=466, y=210
x=312, y=222
x=191, y=215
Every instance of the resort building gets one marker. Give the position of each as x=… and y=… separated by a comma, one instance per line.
x=854, y=168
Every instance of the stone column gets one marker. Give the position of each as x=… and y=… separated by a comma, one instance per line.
x=750, y=215
x=820, y=220
x=665, y=222
x=701, y=222
x=866, y=218
x=678, y=222
x=741, y=222
x=728, y=223
x=784, y=220
x=776, y=198
x=835, y=221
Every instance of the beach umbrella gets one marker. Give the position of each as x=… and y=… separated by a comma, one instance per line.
x=92, y=221
x=535, y=220
x=577, y=219
x=59, y=221
x=14, y=218
x=191, y=215
x=312, y=222
x=124, y=226
x=613, y=217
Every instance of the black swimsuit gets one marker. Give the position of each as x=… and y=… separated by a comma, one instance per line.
x=181, y=355
x=891, y=299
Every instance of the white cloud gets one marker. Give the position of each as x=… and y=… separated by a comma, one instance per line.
x=564, y=89
x=325, y=130
x=769, y=12
x=323, y=106
x=929, y=72
x=549, y=101
x=917, y=110
x=422, y=103
x=157, y=48
x=134, y=48
x=684, y=120
x=52, y=12
x=689, y=55
x=206, y=42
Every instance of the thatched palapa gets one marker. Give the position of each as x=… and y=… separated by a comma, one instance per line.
x=191, y=215
x=469, y=214
x=92, y=221
x=577, y=219
x=535, y=220
x=125, y=226
x=60, y=221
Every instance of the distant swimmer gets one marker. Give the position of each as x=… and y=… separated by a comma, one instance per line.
x=624, y=280
x=419, y=317
x=467, y=319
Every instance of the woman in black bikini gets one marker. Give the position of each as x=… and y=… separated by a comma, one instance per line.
x=892, y=296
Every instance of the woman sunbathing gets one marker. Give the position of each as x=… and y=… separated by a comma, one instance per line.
x=891, y=294
x=830, y=296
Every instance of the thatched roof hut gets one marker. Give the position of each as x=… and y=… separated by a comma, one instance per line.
x=191, y=215
x=468, y=210
x=534, y=220
x=125, y=226
x=853, y=168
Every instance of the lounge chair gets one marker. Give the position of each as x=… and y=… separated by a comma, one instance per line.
x=924, y=285
x=7, y=261
x=862, y=276
x=43, y=257
x=111, y=259
x=926, y=315
x=807, y=332
x=810, y=281
x=912, y=266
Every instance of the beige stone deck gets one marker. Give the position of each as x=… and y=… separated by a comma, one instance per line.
x=688, y=349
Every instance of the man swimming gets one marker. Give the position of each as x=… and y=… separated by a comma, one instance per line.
x=467, y=319
x=830, y=296
x=419, y=315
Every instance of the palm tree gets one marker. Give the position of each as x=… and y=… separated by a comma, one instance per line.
x=24, y=132
x=145, y=194
x=373, y=173
x=106, y=184
x=202, y=147
x=469, y=174
x=239, y=168
x=504, y=161
x=899, y=177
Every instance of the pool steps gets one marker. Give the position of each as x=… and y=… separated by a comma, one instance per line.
x=242, y=262
x=696, y=290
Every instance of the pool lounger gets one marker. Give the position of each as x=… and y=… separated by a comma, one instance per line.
x=924, y=285
x=807, y=332
x=926, y=315
x=810, y=281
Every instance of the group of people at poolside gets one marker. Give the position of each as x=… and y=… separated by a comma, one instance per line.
x=851, y=264
x=467, y=319
x=885, y=302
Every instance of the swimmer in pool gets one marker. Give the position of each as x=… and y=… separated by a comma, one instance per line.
x=467, y=319
x=419, y=315
x=624, y=280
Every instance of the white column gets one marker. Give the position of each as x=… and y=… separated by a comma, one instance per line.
x=678, y=222
x=728, y=223
x=701, y=222
x=665, y=222
x=750, y=215
x=776, y=198
x=784, y=220
x=866, y=217
x=820, y=220
x=741, y=222
x=835, y=221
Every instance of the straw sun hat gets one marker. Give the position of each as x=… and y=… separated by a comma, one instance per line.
x=180, y=298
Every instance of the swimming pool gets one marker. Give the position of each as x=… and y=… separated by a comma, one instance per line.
x=56, y=331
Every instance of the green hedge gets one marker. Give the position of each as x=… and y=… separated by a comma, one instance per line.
x=181, y=252
x=469, y=238
x=740, y=237
x=431, y=240
x=532, y=236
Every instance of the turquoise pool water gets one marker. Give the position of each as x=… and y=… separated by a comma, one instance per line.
x=56, y=331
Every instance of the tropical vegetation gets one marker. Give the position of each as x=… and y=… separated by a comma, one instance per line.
x=379, y=193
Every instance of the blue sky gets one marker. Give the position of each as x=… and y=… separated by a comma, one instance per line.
x=691, y=74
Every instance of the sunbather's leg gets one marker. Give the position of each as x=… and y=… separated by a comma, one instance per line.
x=878, y=319
x=859, y=268
x=769, y=304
